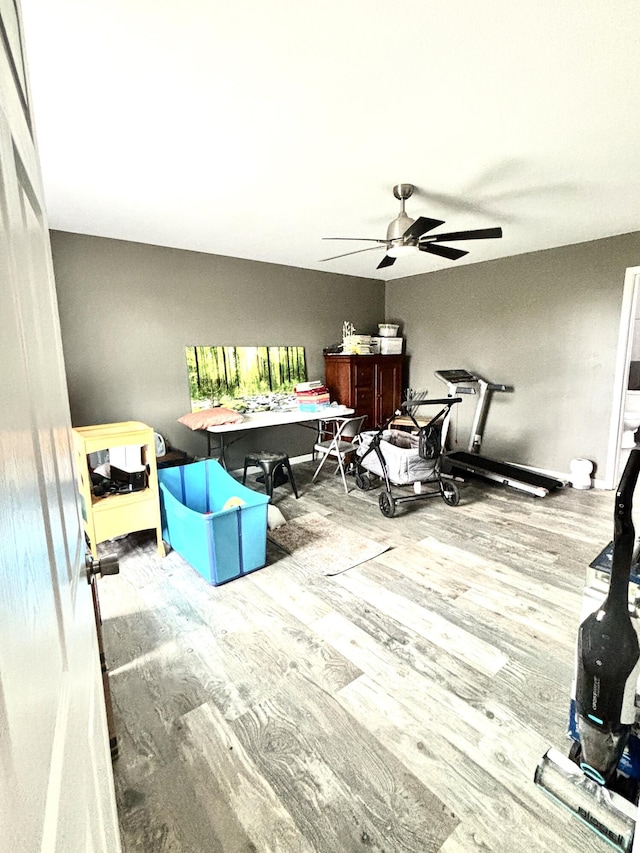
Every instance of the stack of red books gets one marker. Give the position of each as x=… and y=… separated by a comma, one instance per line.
x=312, y=396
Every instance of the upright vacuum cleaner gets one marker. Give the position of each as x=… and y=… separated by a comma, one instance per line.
x=599, y=780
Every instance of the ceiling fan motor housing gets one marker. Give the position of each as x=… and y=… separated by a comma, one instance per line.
x=398, y=226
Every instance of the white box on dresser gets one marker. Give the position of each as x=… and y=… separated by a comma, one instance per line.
x=391, y=346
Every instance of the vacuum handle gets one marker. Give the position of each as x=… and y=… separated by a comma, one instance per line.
x=624, y=531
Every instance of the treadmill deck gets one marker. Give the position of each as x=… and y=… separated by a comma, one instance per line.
x=503, y=472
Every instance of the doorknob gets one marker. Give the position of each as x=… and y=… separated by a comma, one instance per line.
x=107, y=565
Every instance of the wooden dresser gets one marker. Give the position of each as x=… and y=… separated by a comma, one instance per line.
x=370, y=384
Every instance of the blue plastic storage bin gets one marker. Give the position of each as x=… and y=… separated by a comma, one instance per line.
x=220, y=543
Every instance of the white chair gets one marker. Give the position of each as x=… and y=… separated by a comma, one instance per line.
x=326, y=430
x=338, y=447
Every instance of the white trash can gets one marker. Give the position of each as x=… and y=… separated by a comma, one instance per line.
x=580, y=477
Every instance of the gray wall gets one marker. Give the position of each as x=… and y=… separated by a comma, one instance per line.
x=128, y=310
x=545, y=323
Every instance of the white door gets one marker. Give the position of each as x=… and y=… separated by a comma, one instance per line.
x=56, y=782
x=628, y=313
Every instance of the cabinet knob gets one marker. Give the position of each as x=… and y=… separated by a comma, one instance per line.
x=107, y=565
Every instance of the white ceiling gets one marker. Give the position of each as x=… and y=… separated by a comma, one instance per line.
x=253, y=128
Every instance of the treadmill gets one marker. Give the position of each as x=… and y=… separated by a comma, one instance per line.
x=470, y=461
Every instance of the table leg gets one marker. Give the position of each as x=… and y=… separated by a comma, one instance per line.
x=220, y=450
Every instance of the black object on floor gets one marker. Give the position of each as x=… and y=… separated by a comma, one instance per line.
x=279, y=477
x=172, y=458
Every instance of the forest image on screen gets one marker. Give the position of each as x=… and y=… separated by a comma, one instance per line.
x=218, y=373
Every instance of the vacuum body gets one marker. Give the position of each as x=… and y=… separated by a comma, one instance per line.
x=608, y=652
x=600, y=782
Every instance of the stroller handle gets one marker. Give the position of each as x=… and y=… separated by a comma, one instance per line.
x=439, y=401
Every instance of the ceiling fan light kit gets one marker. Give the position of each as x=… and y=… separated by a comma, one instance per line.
x=406, y=236
x=397, y=250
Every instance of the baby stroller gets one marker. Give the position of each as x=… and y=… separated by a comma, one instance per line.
x=402, y=458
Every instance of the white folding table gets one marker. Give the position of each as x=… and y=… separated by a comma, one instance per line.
x=263, y=420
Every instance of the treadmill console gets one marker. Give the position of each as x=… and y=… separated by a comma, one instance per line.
x=455, y=380
x=454, y=376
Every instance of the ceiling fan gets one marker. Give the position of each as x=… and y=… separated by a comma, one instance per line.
x=406, y=235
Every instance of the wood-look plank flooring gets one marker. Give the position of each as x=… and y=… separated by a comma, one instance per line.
x=399, y=706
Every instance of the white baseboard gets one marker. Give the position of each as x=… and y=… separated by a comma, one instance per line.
x=558, y=475
x=307, y=457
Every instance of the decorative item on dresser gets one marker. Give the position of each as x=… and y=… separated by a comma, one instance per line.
x=370, y=384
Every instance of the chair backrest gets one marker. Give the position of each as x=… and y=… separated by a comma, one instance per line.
x=350, y=427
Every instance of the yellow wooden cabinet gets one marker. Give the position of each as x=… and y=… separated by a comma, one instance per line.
x=115, y=515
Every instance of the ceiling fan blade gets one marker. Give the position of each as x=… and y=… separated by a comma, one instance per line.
x=386, y=262
x=360, y=239
x=421, y=226
x=357, y=252
x=445, y=251
x=479, y=234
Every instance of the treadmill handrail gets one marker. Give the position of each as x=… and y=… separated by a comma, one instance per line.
x=433, y=401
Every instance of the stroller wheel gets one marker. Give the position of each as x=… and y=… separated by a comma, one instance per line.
x=363, y=482
x=450, y=493
x=387, y=504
